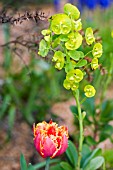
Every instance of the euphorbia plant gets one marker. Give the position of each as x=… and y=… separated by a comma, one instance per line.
x=64, y=38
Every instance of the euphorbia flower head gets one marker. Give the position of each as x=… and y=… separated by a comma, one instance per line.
x=49, y=139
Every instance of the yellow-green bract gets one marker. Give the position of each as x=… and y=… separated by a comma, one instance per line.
x=89, y=91
x=97, y=50
x=61, y=24
x=89, y=36
x=71, y=11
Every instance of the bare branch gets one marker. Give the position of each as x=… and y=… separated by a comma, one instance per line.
x=34, y=16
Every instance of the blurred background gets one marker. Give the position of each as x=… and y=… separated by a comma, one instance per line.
x=31, y=89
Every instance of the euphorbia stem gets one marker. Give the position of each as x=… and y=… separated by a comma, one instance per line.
x=80, y=118
x=47, y=163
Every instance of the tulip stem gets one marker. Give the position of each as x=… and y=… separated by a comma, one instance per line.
x=80, y=118
x=47, y=163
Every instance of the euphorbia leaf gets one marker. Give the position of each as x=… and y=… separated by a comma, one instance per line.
x=81, y=63
x=63, y=38
x=86, y=152
x=72, y=154
x=90, y=141
x=95, y=163
x=76, y=55
x=43, y=48
x=96, y=152
x=74, y=110
x=56, y=42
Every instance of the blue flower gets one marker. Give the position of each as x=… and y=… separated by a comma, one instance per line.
x=81, y=4
x=91, y=4
x=104, y=3
x=57, y=4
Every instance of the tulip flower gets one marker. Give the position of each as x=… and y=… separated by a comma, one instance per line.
x=49, y=139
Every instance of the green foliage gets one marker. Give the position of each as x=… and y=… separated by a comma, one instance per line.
x=72, y=154
x=24, y=166
x=65, y=166
x=100, y=117
x=43, y=48
x=95, y=163
x=30, y=94
x=90, y=159
x=76, y=55
x=89, y=156
x=23, y=163
x=56, y=167
x=108, y=155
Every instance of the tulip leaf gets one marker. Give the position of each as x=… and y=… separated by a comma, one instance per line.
x=30, y=167
x=65, y=166
x=56, y=167
x=95, y=163
x=71, y=153
x=42, y=164
x=11, y=116
x=23, y=163
x=11, y=119
x=4, y=105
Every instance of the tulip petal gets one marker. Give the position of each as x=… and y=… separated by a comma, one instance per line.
x=37, y=142
x=48, y=148
x=63, y=147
